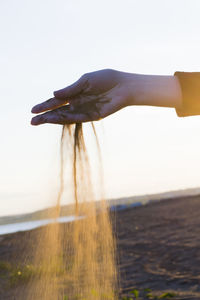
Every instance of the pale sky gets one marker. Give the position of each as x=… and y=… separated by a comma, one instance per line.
x=46, y=45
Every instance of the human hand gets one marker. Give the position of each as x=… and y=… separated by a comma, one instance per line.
x=94, y=96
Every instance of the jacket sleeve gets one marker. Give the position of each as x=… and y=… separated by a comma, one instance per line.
x=190, y=86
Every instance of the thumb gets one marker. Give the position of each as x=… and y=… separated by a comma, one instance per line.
x=72, y=90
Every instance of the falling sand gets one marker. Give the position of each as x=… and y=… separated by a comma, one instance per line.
x=76, y=261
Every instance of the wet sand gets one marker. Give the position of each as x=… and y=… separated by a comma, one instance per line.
x=158, y=248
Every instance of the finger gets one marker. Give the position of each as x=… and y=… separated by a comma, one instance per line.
x=72, y=90
x=61, y=116
x=50, y=104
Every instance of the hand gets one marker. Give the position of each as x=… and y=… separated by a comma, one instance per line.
x=94, y=96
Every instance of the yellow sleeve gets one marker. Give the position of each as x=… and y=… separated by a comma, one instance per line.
x=190, y=86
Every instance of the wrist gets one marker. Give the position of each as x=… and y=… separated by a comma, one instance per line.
x=154, y=90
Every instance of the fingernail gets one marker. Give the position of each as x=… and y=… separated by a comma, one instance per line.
x=36, y=120
x=35, y=109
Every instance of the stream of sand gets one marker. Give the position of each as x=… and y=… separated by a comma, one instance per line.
x=78, y=261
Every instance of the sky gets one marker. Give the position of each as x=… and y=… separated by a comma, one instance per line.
x=49, y=44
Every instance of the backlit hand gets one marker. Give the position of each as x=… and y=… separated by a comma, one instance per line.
x=94, y=96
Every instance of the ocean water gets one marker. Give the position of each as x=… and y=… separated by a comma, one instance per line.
x=121, y=204
x=23, y=226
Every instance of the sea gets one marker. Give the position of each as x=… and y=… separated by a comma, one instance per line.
x=23, y=226
x=119, y=204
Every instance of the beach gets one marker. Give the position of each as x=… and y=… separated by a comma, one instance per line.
x=158, y=248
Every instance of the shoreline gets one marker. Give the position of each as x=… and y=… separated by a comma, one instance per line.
x=68, y=208
x=37, y=219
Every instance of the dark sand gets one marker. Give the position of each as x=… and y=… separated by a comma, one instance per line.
x=158, y=248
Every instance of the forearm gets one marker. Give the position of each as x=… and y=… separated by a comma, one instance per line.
x=155, y=90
